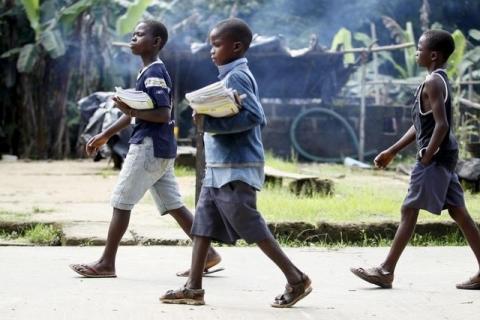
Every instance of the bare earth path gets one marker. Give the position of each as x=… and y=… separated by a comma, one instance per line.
x=77, y=194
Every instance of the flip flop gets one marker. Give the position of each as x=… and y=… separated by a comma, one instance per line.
x=375, y=276
x=471, y=284
x=90, y=272
x=208, y=268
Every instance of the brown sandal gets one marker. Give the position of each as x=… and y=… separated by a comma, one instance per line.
x=471, y=284
x=293, y=293
x=208, y=267
x=376, y=276
x=184, y=295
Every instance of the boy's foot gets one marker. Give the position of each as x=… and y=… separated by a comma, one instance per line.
x=375, y=275
x=212, y=260
x=293, y=293
x=471, y=284
x=92, y=271
x=184, y=295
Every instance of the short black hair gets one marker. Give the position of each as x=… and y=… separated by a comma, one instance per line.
x=237, y=30
x=440, y=40
x=157, y=29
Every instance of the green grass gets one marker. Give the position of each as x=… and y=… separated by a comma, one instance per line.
x=360, y=196
x=281, y=164
x=6, y=215
x=181, y=171
x=43, y=235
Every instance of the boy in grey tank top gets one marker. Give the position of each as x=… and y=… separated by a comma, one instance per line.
x=434, y=185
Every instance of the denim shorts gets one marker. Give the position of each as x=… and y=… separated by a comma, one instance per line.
x=433, y=188
x=142, y=171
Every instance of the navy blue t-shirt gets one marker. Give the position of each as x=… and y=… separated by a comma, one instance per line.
x=155, y=81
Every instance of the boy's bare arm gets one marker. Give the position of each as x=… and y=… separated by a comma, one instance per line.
x=159, y=115
x=386, y=156
x=100, y=139
x=435, y=90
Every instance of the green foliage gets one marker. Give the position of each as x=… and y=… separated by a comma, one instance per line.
x=44, y=235
x=400, y=36
x=132, y=16
x=455, y=60
x=27, y=58
x=32, y=9
x=343, y=40
x=52, y=42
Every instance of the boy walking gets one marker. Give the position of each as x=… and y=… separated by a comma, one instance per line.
x=434, y=185
x=226, y=209
x=151, y=155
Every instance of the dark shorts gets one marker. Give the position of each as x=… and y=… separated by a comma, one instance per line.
x=433, y=188
x=229, y=213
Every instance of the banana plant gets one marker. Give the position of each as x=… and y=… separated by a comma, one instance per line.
x=401, y=35
x=48, y=34
x=343, y=39
x=135, y=10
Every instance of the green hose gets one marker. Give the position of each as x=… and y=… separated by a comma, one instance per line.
x=308, y=155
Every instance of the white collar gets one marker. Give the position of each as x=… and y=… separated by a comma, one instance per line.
x=146, y=67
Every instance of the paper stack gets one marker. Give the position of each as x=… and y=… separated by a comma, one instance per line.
x=215, y=100
x=134, y=99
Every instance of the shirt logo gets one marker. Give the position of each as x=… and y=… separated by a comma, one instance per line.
x=155, y=82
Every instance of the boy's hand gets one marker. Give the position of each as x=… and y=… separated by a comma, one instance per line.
x=95, y=143
x=383, y=159
x=123, y=107
x=197, y=118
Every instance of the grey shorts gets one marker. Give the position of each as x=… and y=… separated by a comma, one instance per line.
x=229, y=213
x=142, y=171
x=433, y=188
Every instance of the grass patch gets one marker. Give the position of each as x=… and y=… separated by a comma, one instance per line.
x=44, y=235
x=360, y=196
x=290, y=165
x=6, y=215
x=182, y=171
x=36, y=209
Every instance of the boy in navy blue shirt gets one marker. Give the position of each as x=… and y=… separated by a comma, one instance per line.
x=151, y=155
x=227, y=208
x=434, y=185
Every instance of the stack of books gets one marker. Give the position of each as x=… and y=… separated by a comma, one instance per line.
x=215, y=100
x=134, y=99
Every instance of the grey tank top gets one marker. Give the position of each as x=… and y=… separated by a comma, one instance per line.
x=424, y=123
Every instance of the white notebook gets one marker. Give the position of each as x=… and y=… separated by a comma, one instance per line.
x=215, y=100
x=134, y=99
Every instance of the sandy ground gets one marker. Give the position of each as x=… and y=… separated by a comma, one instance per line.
x=77, y=194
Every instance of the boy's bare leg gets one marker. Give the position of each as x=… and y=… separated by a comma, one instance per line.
x=271, y=248
x=200, y=249
x=382, y=276
x=106, y=263
x=402, y=237
x=185, y=219
x=469, y=229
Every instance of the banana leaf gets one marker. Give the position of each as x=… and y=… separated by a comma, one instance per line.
x=456, y=58
x=127, y=22
x=52, y=42
x=344, y=38
x=27, y=59
x=32, y=8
